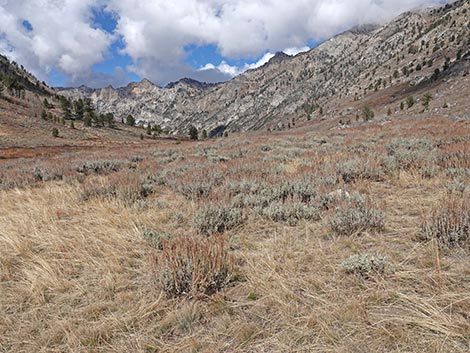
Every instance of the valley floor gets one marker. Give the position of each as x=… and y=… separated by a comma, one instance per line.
x=91, y=243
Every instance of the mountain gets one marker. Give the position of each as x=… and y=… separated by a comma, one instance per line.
x=15, y=76
x=340, y=75
x=30, y=111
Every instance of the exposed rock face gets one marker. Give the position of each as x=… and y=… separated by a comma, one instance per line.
x=345, y=68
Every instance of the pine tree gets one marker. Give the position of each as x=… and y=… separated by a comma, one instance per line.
x=367, y=113
x=109, y=120
x=65, y=105
x=130, y=120
x=79, y=109
x=87, y=119
x=410, y=101
x=426, y=100
x=157, y=129
x=193, y=132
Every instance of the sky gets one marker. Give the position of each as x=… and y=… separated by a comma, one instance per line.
x=113, y=42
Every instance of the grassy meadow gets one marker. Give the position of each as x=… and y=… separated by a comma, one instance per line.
x=342, y=240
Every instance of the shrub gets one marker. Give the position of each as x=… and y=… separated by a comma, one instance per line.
x=216, y=218
x=191, y=266
x=137, y=159
x=457, y=186
x=124, y=187
x=367, y=265
x=449, y=223
x=156, y=239
x=245, y=187
x=294, y=190
x=199, y=184
x=168, y=156
x=91, y=190
x=368, y=113
x=193, y=133
x=290, y=213
x=217, y=159
x=55, y=132
x=410, y=101
x=130, y=120
x=426, y=100
x=357, y=168
x=412, y=153
x=100, y=167
x=356, y=215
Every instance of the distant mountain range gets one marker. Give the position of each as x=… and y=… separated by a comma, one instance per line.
x=333, y=79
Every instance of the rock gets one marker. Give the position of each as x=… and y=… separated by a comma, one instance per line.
x=339, y=194
x=287, y=86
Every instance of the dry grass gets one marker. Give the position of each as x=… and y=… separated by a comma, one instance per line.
x=78, y=274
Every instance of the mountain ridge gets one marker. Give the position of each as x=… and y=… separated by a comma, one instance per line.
x=349, y=67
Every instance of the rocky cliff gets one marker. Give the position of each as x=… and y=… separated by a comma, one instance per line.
x=410, y=49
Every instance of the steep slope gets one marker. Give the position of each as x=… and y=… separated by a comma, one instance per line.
x=343, y=70
x=30, y=111
x=16, y=77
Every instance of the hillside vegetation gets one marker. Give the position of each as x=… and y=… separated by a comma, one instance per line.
x=330, y=241
x=335, y=223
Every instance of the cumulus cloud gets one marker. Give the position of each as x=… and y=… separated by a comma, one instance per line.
x=59, y=34
x=154, y=34
x=231, y=71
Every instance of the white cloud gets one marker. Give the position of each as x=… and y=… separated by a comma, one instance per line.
x=264, y=59
x=62, y=35
x=294, y=50
x=155, y=33
x=232, y=71
x=223, y=67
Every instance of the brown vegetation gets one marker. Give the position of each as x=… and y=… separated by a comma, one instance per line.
x=232, y=244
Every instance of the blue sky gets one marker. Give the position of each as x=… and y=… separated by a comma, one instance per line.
x=197, y=56
x=114, y=42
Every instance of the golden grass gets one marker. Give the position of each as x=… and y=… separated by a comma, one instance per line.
x=77, y=276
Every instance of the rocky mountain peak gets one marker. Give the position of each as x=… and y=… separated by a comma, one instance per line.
x=279, y=57
x=343, y=70
x=186, y=81
x=144, y=84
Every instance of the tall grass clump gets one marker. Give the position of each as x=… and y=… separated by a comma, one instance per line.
x=194, y=266
x=123, y=186
x=155, y=238
x=448, y=223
